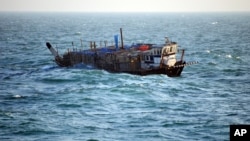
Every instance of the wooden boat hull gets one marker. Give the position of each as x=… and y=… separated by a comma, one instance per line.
x=69, y=60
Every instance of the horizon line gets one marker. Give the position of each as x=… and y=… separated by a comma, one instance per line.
x=61, y=11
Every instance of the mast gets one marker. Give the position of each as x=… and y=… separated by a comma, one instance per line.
x=121, y=37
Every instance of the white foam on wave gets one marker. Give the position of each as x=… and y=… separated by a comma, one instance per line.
x=229, y=56
x=47, y=67
x=214, y=23
x=17, y=96
x=78, y=33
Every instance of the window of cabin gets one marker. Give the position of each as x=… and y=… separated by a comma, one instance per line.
x=151, y=58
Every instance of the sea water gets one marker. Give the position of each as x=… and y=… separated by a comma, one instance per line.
x=41, y=101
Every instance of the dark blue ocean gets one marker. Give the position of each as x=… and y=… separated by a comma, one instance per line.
x=41, y=101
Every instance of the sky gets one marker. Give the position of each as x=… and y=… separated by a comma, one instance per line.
x=126, y=5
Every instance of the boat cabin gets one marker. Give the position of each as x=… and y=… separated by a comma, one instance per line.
x=153, y=57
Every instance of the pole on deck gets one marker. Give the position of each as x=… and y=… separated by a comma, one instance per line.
x=182, y=55
x=121, y=37
x=94, y=46
x=90, y=44
x=81, y=42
